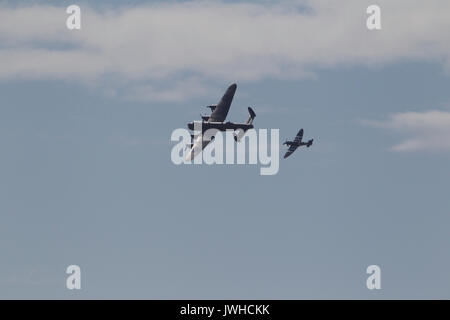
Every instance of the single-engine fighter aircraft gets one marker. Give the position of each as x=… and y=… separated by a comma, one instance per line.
x=216, y=121
x=293, y=145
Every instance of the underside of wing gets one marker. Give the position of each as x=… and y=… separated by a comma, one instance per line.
x=220, y=112
x=196, y=147
x=292, y=148
x=299, y=136
x=287, y=154
x=290, y=151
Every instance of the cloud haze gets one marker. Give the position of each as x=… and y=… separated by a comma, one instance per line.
x=424, y=131
x=145, y=47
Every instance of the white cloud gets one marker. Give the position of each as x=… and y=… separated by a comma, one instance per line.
x=149, y=45
x=178, y=91
x=425, y=131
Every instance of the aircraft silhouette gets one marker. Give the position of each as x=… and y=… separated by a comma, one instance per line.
x=297, y=142
x=216, y=121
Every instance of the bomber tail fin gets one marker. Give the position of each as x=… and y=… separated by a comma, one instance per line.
x=252, y=115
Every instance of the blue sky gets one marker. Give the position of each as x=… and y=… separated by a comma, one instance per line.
x=86, y=176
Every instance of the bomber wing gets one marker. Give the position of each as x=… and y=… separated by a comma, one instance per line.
x=197, y=145
x=220, y=112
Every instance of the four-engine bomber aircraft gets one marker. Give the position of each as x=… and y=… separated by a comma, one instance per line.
x=293, y=145
x=216, y=121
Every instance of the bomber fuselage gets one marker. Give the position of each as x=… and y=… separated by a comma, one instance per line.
x=221, y=126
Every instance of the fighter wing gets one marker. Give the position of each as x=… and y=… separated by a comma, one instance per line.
x=290, y=151
x=220, y=112
x=299, y=136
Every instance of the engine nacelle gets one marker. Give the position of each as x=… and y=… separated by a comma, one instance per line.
x=239, y=135
x=191, y=125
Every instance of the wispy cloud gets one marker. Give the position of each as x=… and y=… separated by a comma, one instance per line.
x=147, y=46
x=177, y=91
x=424, y=131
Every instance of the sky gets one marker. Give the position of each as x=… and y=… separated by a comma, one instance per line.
x=86, y=177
